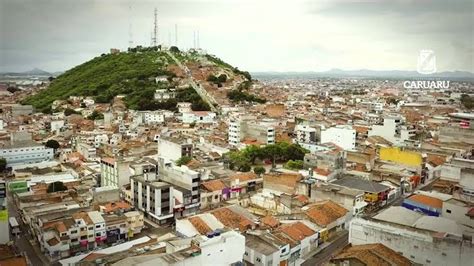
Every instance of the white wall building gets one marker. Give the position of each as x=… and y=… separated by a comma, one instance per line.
x=246, y=127
x=342, y=136
x=170, y=150
x=25, y=152
x=421, y=246
x=199, y=117
x=114, y=172
x=87, y=151
x=392, y=130
x=305, y=134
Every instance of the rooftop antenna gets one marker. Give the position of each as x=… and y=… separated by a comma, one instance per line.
x=169, y=38
x=154, y=39
x=176, y=35
x=130, y=35
x=194, y=39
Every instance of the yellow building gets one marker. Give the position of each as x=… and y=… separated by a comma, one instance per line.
x=408, y=158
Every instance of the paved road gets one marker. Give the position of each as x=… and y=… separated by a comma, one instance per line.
x=24, y=240
x=325, y=254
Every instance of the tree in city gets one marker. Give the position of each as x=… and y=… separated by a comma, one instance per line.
x=69, y=111
x=3, y=164
x=294, y=165
x=56, y=186
x=53, y=144
x=467, y=101
x=259, y=170
x=96, y=115
x=183, y=160
x=174, y=49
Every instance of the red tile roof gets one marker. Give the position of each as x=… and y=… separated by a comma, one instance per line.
x=214, y=185
x=373, y=254
x=325, y=212
x=427, y=200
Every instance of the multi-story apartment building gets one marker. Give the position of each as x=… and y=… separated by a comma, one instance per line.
x=171, y=149
x=25, y=152
x=342, y=136
x=393, y=130
x=199, y=117
x=305, y=134
x=242, y=128
x=114, y=172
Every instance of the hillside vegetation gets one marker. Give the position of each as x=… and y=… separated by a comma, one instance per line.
x=129, y=73
x=105, y=76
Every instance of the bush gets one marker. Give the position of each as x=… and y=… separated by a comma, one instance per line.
x=69, y=111
x=240, y=96
x=3, y=164
x=183, y=160
x=95, y=116
x=294, y=165
x=259, y=170
x=53, y=144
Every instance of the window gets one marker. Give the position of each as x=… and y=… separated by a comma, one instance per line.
x=448, y=211
x=444, y=254
x=73, y=231
x=259, y=260
x=428, y=261
x=415, y=246
x=246, y=253
x=97, y=234
x=411, y=256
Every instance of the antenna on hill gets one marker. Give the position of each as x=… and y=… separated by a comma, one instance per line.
x=169, y=38
x=198, y=45
x=130, y=35
x=154, y=39
x=176, y=35
x=194, y=39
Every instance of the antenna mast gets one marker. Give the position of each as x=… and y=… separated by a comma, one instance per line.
x=176, y=35
x=130, y=35
x=154, y=39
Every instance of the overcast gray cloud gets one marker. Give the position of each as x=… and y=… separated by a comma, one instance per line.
x=255, y=35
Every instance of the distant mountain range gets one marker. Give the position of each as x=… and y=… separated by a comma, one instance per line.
x=366, y=73
x=32, y=72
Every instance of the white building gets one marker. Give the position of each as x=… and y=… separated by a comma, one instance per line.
x=1, y=125
x=87, y=151
x=425, y=240
x=171, y=149
x=342, y=136
x=305, y=134
x=56, y=125
x=393, y=130
x=184, y=107
x=100, y=139
x=164, y=94
x=26, y=152
x=199, y=117
x=114, y=172
x=242, y=128
x=149, y=117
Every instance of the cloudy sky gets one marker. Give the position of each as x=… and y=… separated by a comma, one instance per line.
x=255, y=35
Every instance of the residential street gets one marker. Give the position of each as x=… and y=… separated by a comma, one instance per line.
x=24, y=240
x=332, y=247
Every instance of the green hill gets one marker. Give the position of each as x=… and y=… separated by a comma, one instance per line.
x=128, y=73
x=133, y=74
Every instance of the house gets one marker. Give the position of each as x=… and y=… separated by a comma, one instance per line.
x=369, y=254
